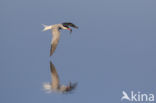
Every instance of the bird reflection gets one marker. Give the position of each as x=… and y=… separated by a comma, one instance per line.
x=55, y=86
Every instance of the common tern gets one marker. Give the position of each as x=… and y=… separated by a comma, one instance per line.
x=56, y=33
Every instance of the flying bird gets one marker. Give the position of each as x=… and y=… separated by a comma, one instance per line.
x=56, y=33
x=55, y=84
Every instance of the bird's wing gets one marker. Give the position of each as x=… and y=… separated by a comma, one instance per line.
x=54, y=75
x=55, y=40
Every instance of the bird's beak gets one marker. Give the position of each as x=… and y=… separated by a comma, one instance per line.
x=70, y=30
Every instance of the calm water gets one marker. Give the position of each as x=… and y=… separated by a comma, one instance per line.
x=113, y=49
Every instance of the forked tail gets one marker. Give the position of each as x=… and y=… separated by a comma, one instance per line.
x=46, y=27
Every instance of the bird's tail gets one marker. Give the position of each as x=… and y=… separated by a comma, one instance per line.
x=47, y=87
x=46, y=27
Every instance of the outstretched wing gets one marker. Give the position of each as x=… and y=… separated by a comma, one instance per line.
x=55, y=40
x=54, y=75
x=70, y=24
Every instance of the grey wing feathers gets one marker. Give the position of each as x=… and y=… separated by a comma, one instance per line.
x=55, y=40
x=53, y=47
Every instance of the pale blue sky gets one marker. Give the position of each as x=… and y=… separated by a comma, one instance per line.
x=113, y=50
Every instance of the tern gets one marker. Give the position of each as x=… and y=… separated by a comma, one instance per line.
x=56, y=33
x=55, y=84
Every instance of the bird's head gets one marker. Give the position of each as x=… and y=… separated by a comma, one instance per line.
x=67, y=24
x=71, y=86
